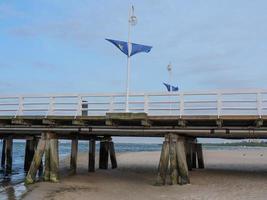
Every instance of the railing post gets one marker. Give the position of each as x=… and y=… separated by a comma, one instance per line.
x=79, y=107
x=259, y=104
x=111, y=104
x=20, y=108
x=146, y=103
x=51, y=105
x=219, y=104
x=181, y=104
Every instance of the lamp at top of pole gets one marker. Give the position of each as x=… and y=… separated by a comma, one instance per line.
x=132, y=17
x=169, y=67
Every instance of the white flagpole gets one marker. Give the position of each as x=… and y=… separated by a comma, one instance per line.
x=132, y=21
x=169, y=68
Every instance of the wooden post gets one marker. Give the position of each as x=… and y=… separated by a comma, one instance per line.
x=8, y=154
x=47, y=160
x=188, y=148
x=91, y=159
x=74, y=154
x=103, y=154
x=182, y=164
x=194, y=156
x=163, y=163
x=29, y=153
x=54, y=159
x=3, y=158
x=112, y=155
x=200, y=156
x=36, y=160
x=173, y=159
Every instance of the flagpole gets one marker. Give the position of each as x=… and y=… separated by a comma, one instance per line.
x=169, y=68
x=131, y=22
x=128, y=65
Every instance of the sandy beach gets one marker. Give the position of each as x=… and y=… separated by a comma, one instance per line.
x=237, y=174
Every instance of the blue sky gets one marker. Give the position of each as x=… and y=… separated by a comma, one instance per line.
x=58, y=46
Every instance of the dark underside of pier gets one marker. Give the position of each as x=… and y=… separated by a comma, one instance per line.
x=134, y=124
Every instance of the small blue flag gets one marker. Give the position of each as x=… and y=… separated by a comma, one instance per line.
x=167, y=86
x=130, y=50
x=175, y=89
x=171, y=88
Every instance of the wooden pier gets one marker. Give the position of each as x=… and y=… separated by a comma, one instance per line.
x=43, y=120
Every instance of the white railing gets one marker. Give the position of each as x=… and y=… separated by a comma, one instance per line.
x=216, y=103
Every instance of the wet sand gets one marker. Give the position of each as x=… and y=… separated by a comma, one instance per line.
x=237, y=174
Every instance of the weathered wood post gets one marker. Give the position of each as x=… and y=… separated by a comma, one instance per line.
x=112, y=154
x=164, y=162
x=194, y=154
x=3, y=158
x=182, y=164
x=173, y=159
x=29, y=153
x=8, y=154
x=30, y=178
x=47, y=160
x=103, y=154
x=200, y=156
x=91, y=159
x=74, y=154
x=54, y=158
x=189, y=153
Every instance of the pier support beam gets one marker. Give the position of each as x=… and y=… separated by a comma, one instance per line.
x=173, y=152
x=48, y=144
x=29, y=153
x=200, y=156
x=191, y=153
x=73, y=155
x=30, y=178
x=3, y=158
x=91, y=158
x=54, y=159
x=7, y=151
x=182, y=164
x=164, y=162
x=112, y=155
x=106, y=149
x=103, y=154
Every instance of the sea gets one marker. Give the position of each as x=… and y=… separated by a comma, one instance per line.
x=12, y=185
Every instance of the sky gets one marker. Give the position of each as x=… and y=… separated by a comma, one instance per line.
x=58, y=46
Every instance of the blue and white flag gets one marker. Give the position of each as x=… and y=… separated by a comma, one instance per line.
x=130, y=49
x=171, y=88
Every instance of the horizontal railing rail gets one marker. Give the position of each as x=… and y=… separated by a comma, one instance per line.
x=217, y=103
